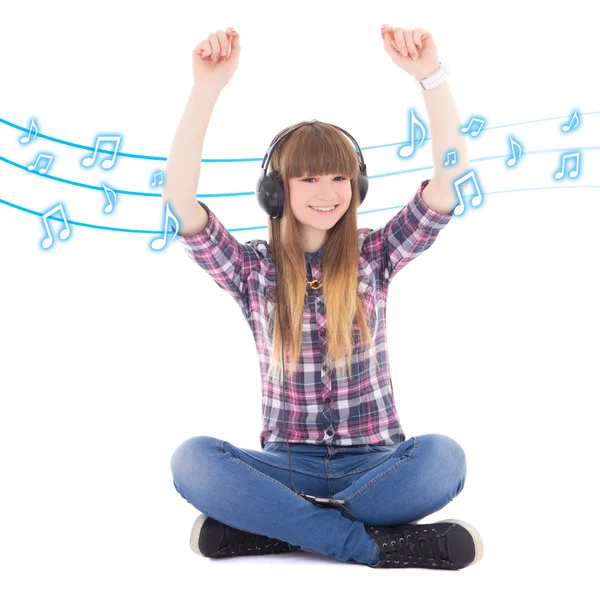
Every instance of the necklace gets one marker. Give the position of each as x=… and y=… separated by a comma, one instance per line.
x=315, y=284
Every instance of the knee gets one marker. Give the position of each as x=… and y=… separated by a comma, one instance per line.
x=190, y=456
x=447, y=455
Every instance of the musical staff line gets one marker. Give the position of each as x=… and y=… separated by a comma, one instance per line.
x=260, y=158
x=233, y=229
x=252, y=192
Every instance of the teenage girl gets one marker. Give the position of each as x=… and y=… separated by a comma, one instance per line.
x=317, y=290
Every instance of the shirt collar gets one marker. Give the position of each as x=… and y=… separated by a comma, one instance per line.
x=319, y=251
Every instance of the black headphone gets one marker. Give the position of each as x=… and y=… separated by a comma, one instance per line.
x=270, y=192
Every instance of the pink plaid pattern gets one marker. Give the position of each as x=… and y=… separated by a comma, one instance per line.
x=322, y=408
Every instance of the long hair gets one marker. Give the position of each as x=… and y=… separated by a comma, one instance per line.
x=317, y=149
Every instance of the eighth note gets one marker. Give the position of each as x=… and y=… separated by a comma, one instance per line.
x=450, y=156
x=25, y=140
x=574, y=119
x=64, y=233
x=473, y=120
x=111, y=203
x=158, y=243
x=160, y=176
x=107, y=163
x=572, y=174
x=511, y=162
x=475, y=200
x=408, y=149
x=42, y=169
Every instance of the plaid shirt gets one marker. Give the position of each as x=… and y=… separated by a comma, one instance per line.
x=321, y=408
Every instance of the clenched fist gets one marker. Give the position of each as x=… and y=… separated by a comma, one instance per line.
x=214, y=61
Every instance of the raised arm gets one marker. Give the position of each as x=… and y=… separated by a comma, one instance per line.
x=185, y=155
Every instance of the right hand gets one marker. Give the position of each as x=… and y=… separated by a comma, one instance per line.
x=208, y=72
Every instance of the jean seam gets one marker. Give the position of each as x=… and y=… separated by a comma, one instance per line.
x=241, y=462
x=381, y=475
x=360, y=469
x=277, y=466
x=375, y=553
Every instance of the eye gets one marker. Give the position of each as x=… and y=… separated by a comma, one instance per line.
x=338, y=177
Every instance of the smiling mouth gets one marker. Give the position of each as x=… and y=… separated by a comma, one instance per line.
x=319, y=209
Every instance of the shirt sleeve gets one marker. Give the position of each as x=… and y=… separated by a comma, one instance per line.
x=226, y=260
x=408, y=233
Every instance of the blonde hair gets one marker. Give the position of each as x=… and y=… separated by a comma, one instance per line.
x=316, y=149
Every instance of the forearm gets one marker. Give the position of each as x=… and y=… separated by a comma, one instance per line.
x=185, y=157
x=444, y=122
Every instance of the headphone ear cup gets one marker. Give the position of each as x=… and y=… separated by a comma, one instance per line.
x=364, y=187
x=363, y=184
x=269, y=190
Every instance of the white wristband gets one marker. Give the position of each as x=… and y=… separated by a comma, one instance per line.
x=436, y=78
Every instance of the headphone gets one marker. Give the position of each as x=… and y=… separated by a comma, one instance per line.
x=270, y=193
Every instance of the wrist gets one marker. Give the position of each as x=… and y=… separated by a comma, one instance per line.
x=205, y=90
x=429, y=74
x=435, y=78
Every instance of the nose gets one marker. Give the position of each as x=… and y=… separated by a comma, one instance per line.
x=327, y=191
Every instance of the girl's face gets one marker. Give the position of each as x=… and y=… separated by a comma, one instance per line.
x=323, y=191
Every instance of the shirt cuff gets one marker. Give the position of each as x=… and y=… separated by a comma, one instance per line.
x=198, y=240
x=429, y=218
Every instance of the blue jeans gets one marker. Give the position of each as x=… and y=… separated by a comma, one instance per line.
x=381, y=485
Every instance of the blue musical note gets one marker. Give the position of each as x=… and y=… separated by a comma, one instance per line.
x=25, y=140
x=43, y=169
x=160, y=176
x=111, y=203
x=513, y=161
x=450, y=156
x=408, y=149
x=160, y=243
x=475, y=200
x=572, y=174
x=573, y=124
x=107, y=163
x=63, y=234
x=466, y=128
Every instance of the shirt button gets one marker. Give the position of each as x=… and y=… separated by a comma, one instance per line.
x=325, y=367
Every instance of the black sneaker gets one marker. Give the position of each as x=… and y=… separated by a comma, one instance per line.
x=214, y=539
x=448, y=544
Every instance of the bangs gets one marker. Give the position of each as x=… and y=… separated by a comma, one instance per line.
x=319, y=150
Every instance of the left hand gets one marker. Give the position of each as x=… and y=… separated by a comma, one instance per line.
x=400, y=44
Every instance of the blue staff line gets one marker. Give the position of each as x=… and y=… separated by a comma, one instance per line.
x=390, y=174
x=364, y=212
x=164, y=158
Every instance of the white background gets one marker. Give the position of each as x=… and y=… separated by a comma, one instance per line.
x=111, y=354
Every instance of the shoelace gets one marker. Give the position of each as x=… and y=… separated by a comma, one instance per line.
x=418, y=547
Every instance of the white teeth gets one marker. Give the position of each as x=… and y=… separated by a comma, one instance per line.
x=323, y=209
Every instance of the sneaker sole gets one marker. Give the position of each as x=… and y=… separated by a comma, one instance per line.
x=195, y=535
